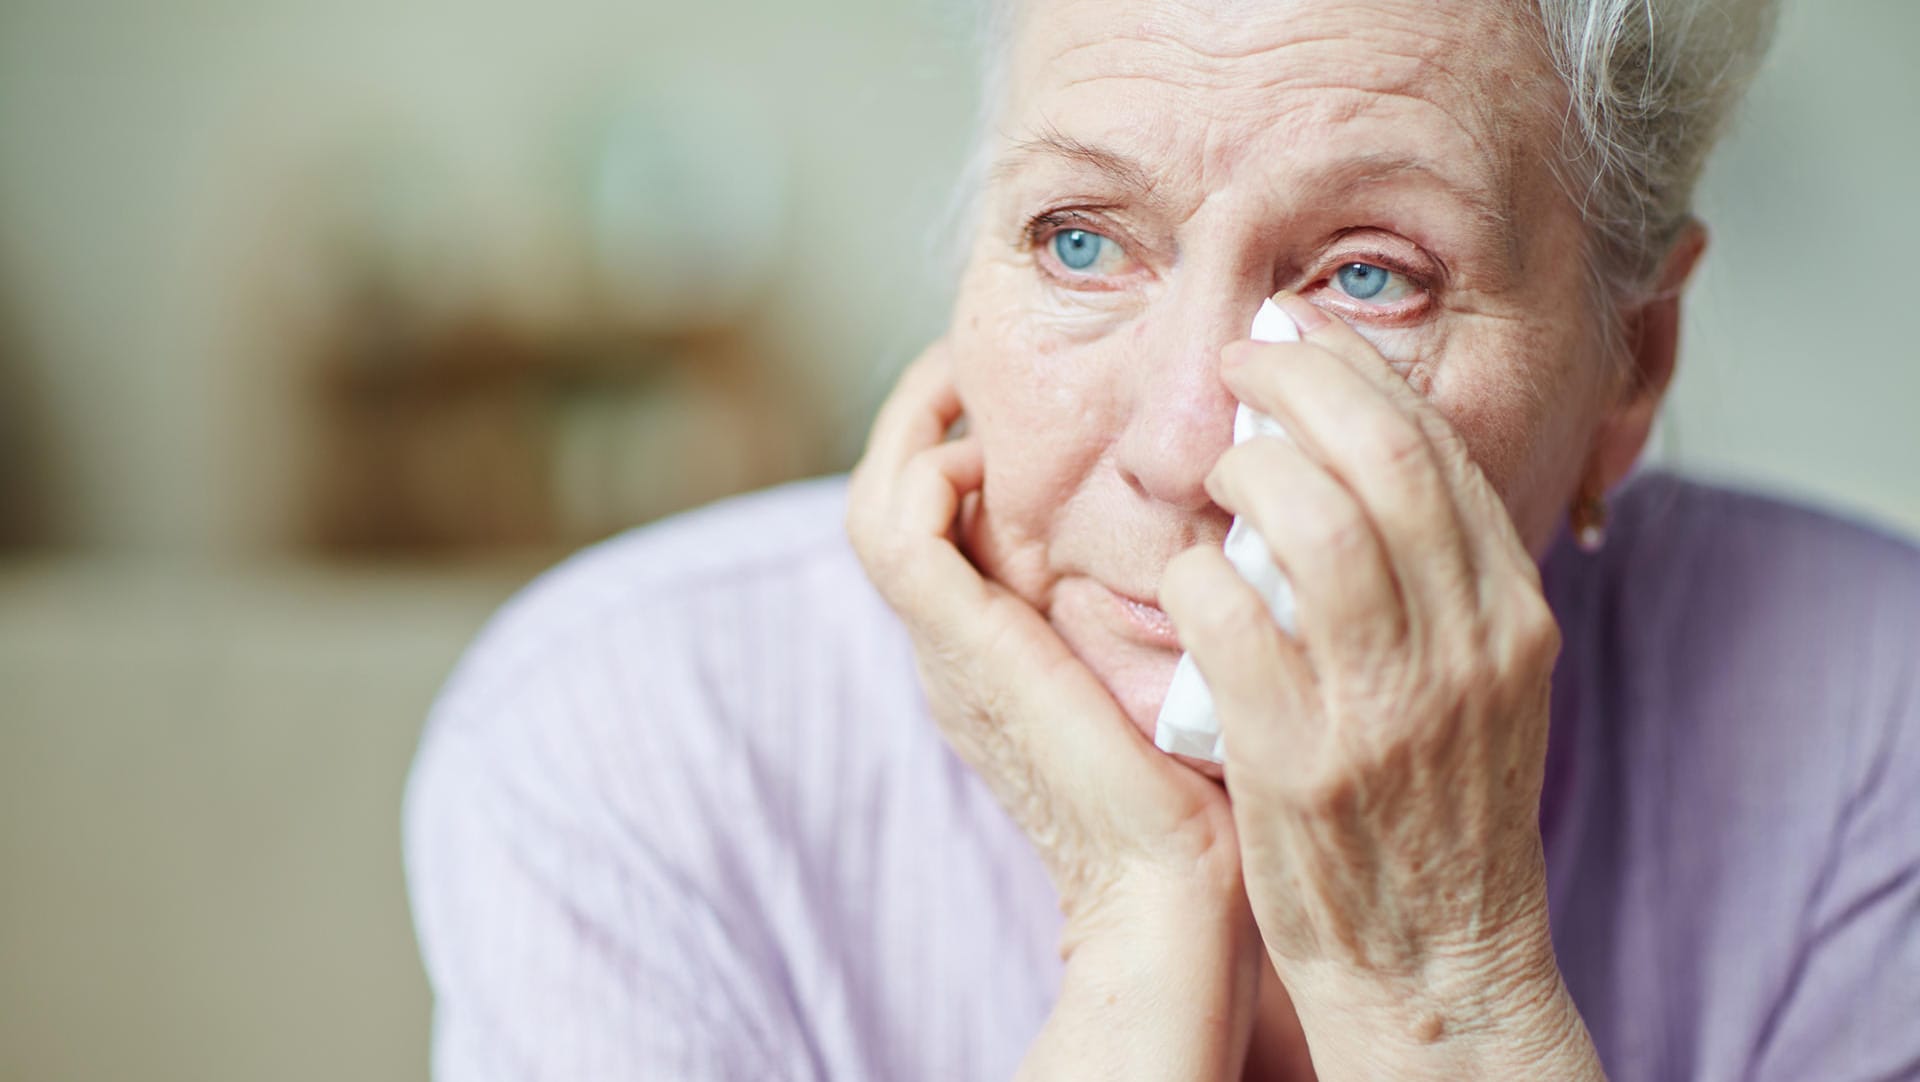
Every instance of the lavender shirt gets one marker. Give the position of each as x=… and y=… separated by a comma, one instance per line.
x=681, y=813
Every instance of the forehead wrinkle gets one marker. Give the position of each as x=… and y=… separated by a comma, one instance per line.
x=1396, y=57
x=1202, y=49
x=1209, y=90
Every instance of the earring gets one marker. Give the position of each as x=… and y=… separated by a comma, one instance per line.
x=1589, y=521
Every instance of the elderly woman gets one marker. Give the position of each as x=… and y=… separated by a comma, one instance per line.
x=732, y=797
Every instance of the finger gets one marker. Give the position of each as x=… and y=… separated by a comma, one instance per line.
x=1474, y=496
x=917, y=413
x=1338, y=337
x=986, y=643
x=1348, y=601
x=933, y=483
x=1374, y=448
x=1263, y=687
x=910, y=555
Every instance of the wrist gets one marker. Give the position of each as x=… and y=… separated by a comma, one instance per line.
x=1153, y=914
x=1501, y=1012
x=1161, y=981
x=1140, y=900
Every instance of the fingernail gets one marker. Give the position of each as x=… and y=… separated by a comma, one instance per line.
x=1305, y=315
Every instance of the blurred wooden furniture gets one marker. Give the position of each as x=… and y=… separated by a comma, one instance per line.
x=478, y=435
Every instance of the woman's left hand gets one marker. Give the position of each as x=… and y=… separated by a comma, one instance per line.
x=1385, y=761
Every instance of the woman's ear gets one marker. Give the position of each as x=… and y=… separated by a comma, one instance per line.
x=1653, y=347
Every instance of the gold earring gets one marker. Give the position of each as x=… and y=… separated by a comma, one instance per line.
x=1589, y=521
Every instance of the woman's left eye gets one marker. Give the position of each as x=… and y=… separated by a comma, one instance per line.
x=1372, y=283
x=1085, y=252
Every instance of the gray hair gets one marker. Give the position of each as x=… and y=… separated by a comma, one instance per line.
x=1651, y=86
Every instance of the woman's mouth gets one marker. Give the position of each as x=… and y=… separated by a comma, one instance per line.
x=1151, y=623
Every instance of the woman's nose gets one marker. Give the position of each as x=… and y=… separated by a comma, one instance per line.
x=1180, y=416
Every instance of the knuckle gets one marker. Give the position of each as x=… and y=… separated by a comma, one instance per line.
x=1387, y=633
x=1260, y=453
x=1529, y=572
x=882, y=566
x=1448, y=444
x=1182, y=575
x=1455, y=663
x=1518, y=635
x=858, y=524
x=1263, y=458
x=857, y=537
x=922, y=469
x=1223, y=480
x=1398, y=443
x=883, y=551
x=1326, y=790
x=1340, y=531
x=1231, y=617
x=1536, y=632
x=1241, y=353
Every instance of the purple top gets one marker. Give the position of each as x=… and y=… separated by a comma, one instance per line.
x=681, y=813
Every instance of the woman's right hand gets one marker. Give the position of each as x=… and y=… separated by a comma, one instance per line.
x=1106, y=810
x=1163, y=958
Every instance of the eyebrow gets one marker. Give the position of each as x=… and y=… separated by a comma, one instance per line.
x=1051, y=143
x=1488, y=212
x=1490, y=219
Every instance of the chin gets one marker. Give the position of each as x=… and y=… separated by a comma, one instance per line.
x=1135, y=674
x=1140, y=686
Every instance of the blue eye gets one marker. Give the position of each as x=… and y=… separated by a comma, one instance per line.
x=1367, y=282
x=1078, y=249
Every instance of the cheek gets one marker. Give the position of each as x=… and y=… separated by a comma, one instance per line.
x=1036, y=406
x=1032, y=380
x=1521, y=405
x=1497, y=414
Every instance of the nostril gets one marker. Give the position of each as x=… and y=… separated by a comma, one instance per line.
x=1169, y=447
x=1179, y=413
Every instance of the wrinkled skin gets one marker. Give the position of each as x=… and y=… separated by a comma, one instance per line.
x=1102, y=411
x=1384, y=763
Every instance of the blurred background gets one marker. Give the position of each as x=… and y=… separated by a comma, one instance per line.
x=323, y=326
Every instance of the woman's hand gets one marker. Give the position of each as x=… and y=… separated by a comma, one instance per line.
x=1102, y=805
x=1385, y=762
x=1162, y=956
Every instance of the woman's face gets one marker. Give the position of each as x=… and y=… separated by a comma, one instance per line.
x=1161, y=167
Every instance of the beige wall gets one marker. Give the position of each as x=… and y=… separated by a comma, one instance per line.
x=1800, y=367
x=164, y=167
x=200, y=779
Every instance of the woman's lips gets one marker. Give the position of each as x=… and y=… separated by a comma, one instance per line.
x=1150, y=623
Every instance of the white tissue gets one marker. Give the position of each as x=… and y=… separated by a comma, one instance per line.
x=1188, y=725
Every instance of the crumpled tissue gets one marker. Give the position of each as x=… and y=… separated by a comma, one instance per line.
x=1187, y=724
